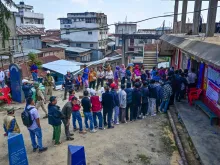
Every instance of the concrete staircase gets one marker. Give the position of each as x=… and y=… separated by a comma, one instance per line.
x=150, y=60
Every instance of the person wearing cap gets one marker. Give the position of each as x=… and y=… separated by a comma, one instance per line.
x=40, y=99
x=68, y=83
x=85, y=76
x=116, y=103
x=86, y=104
x=48, y=83
x=92, y=78
x=26, y=87
x=122, y=102
x=136, y=101
x=67, y=111
x=10, y=124
x=108, y=105
x=55, y=119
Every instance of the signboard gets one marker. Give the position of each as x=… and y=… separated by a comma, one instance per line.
x=213, y=86
x=16, y=150
x=16, y=78
x=76, y=155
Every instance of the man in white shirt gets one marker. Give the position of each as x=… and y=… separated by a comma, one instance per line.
x=35, y=128
x=2, y=78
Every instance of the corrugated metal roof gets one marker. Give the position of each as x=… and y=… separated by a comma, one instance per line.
x=71, y=49
x=61, y=66
x=29, y=30
x=111, y=44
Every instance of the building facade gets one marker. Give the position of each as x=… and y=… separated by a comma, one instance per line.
x=76, y=28
x=58, y=52
x=26, y=16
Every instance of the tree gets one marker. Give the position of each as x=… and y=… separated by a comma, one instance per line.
x=5, y=15
x=33, y=58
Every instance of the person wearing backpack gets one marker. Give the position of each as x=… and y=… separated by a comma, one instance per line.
x=55, y=117
x=31, y=120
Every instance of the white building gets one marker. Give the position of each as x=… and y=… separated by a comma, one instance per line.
x=27, y=16
x=86, y=30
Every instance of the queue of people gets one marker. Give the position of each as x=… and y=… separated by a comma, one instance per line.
x=141, y=94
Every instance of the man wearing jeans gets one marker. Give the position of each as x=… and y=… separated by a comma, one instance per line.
x=152, y=97
x=122, y=102
x=116, y=102
x=166, y=93
x=77, y=116
x=129, y=91
x=35, y=128
x=86, y=103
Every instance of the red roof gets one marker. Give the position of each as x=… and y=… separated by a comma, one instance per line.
x=51, y=49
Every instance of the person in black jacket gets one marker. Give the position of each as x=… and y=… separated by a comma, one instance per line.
x=55, y=119
x=108, y=105
x=136, y=101
x=68, y=84
x=129, y=91
x=184, y=84
x=145, y=96
x=152, y=97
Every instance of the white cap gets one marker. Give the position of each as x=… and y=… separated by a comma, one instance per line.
x=48, y=71
x=93, y=92
x=24, y=81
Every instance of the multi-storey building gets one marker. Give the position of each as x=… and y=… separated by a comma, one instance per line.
x=26, y=16
x=87, y=30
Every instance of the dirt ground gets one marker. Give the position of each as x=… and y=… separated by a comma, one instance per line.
x=144, y=142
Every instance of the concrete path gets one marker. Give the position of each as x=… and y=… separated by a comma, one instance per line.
x=206, y=138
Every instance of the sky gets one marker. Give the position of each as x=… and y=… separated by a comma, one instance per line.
x=116, y=11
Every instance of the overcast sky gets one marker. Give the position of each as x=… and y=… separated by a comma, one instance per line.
x=116, y=10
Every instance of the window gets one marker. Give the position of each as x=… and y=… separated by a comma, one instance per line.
x=67, y=31
x=89, y=33
x=28, y=37
x=78, y=45
x=91, y=45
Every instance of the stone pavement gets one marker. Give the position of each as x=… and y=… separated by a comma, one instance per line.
x=206, y=138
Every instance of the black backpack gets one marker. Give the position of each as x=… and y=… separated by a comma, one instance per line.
x=26, y=117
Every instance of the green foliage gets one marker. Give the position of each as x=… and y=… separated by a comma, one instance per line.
x=5, y=14
x=33, y=58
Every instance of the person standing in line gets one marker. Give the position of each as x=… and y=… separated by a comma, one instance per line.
x=48, y=83
x=10, y=124
x=2, y=78
x=184, y=84
x=26, y=87
x=79, y=82
x=128, y=74
x=108, y=105
x=92, y=78
x=116, y=74
x=40, y=100
x=145, y=97
x=122, y=102
x=109, y=75
x=158, y=99
x=122, y=74
x=129, y=106
x=34, y=72
x=55, y=119
x=96, y=110
x=68, y=83
x=143, y=74
x=100, y=76
x=85, y=76
x=153, y=72
x=166, y=94
x=157, y=77
x=67, y=111
x=152, y=97
x=116, y=103
x=86, y=104
x=71, y=94
x=192, y=77
x=177, y=85
x=136, y=101
x=35, y=127
x=77, y=116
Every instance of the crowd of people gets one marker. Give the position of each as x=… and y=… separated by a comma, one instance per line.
x=125, y=95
